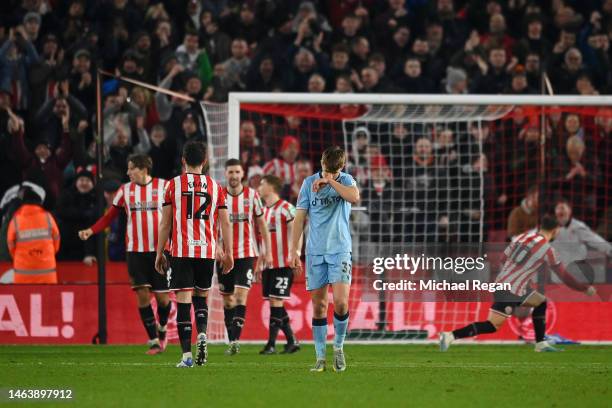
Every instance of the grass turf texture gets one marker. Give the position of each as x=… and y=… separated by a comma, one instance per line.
x=377, y=375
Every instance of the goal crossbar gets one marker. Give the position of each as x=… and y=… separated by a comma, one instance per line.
x=238, y=98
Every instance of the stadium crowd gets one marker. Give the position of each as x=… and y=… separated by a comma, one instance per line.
x=50, y=50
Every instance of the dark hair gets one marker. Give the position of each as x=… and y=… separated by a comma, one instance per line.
x=194, y=153
x=274, y=181
x=141, y=161
x=532, y=190
x=232, y=162
x=333, y=158
x=562, y=200
x=548, y=223
x=341, y=47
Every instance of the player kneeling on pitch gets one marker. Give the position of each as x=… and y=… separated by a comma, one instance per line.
x=245, y=209
x=278, y=277
x=326, y=198
x=194, y=208
x=142, y=200
x=523, y=258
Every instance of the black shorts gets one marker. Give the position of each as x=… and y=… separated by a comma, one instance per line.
x=241, y=276
x=190, y=273
x=276, y=283
x=141, y=269
x=506, y=302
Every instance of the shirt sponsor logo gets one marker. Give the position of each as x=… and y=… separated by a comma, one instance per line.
x=197, y=242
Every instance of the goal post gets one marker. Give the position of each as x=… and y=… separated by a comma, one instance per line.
x=485, y=153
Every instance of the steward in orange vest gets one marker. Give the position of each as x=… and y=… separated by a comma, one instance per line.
x=33, y=238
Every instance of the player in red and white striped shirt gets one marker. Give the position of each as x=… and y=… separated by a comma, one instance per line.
x=142, y=200
x=285, y=166
x=194, y=209
x=524, y=258
x=278, y=278
x=245, y=213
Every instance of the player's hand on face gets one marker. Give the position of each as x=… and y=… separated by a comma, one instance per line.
x=161, y=264
x=85, y=234
x=319, y=184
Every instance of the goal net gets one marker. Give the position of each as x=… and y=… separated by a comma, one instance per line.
x=429, y=172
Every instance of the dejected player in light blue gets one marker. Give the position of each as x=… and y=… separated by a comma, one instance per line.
x=326, y=198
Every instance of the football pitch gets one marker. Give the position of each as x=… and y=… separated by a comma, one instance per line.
x=377, y=375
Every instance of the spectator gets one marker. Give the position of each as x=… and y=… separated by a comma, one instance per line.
x=316, y=83
x=339, y=63
x=237, y=66
x=519, y=84
x=381, y=199
x=17, y=55
x=45, y=73
x=350, y=27
x=304, y=64
x=163, y=153
x=360, y=51
x=34, y=257
x=285, y=166
x=525, y=216
x=344, y=84
x=412, y=80
x=303, y=169
x=563, y=75
x=456, y=81
x=424, y=200
x=263, y=77
x=576, y=175
x=397, y=49
x=533, y=70
x=82, y=85
x=475, y=186
x=497, y=37
x=534, y=42
x=76, y=210
x=191, y=57
x=216, y=42
x=46, y=160
x=584, y=85
x=494, y=77
x=575, y=239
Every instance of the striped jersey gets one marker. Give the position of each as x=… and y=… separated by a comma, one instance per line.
x=524, y=257
x=195, y=200
x=143, y=206
x=243, y=208
x=281, y=169
x=278, y=216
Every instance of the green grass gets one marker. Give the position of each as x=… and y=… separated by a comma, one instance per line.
x=377, y=375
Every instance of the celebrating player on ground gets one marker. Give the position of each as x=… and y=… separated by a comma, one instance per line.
x=142, y=200
x=194, y=207
x=523, y=258
x=277, y=279
x=244, y=207
x=326, y=198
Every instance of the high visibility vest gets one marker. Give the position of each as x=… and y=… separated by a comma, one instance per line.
x=33, y=240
